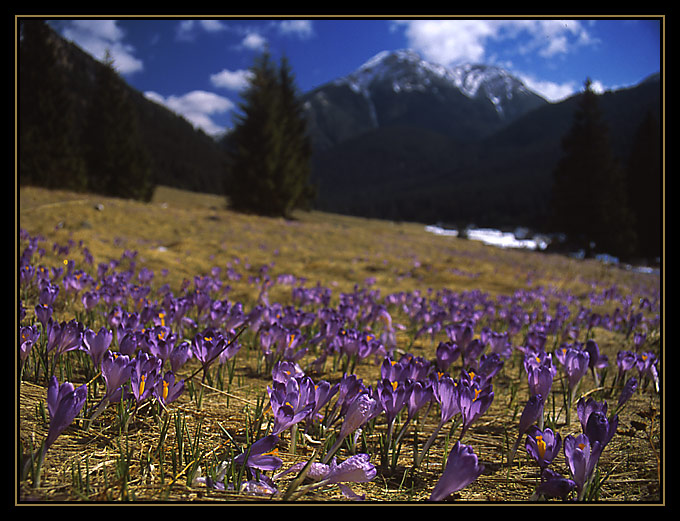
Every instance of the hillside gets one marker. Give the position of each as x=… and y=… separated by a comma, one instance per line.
x=188, y=234
x=494, y=177
x=182, y=156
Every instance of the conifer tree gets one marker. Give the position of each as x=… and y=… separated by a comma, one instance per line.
x=644, y=175
x=268, y=150
x=49, y=153
x=295, y=158
x=589, y=195
x=117, y=160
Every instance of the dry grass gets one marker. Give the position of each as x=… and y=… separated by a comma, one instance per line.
x=189, y=234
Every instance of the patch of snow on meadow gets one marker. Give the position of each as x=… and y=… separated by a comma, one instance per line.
x=493, y=237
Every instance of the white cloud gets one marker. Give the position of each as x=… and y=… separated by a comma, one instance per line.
x=254, y=41
x=97, y=36
x=549, y=90
x=555, y=92
x=597, y=87
x=451, y=42
x=232, y=80
x=187, y=29
x=300, y=28
x=197, y=106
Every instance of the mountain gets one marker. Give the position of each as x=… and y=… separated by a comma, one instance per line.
x=399, y=88
x=403, y=139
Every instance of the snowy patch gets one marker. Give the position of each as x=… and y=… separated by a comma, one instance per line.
x=493, y=237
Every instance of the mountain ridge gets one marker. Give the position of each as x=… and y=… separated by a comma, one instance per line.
x=420, y=160
x=400, y=88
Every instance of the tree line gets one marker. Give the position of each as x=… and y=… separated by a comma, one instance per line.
x=103, y=152
x=605, y=205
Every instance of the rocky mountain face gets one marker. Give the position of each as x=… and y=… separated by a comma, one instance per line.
x=466, y=102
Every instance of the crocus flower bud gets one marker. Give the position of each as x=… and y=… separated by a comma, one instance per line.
x=462, y=468
x=64, y=402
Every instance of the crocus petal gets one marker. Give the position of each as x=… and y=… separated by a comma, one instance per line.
x=356, y=469
x=462, y=468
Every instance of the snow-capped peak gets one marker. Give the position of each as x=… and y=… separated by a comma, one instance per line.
x=407, y=71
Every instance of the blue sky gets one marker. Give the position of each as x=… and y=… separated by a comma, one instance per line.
x=197, y=67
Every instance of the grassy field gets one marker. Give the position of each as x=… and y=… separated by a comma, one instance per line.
x=182, y=237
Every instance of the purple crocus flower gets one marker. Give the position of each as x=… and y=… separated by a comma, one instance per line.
x=159, y=341
x=586, y=406
x=418, y=396
x=207, y=346
x=349, y=388
x=600, y=429
x=540, y=379
x=145, y=376
x=262, y=455
x=129, y=342
x=289, y=403
x=445, y=391
x=90, y=299
x=48, y=294
x=362, y=409
x=116, y=371
x=447, y=353
x=285, y=370
x=532, y=412
x=230, y=350
x=43, y=312
x=392, y=398
x=487, y=367
x=575, y=362
x=628, y=390
x=169, y=389
x=179, y=356
x=324, y=391
x=355, y=469
x=582, y=458
x=473, y=401
x=64, y=402
x=543, y=445
x=597, y=360
x=646, y=365
x=498, y=343
x=392, y=370
x=554, y=485
x=462, y=468
x=28, y=336
x=625, y=360
x=63, y=337
x=96, y=344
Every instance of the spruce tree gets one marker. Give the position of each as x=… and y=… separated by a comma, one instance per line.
x=295, y=157
x=117, y=160
x=644, y=175
x=49, y=152
x=268, y=151
x=589, y=195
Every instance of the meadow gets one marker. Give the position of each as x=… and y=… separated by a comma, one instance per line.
x=176, y=351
